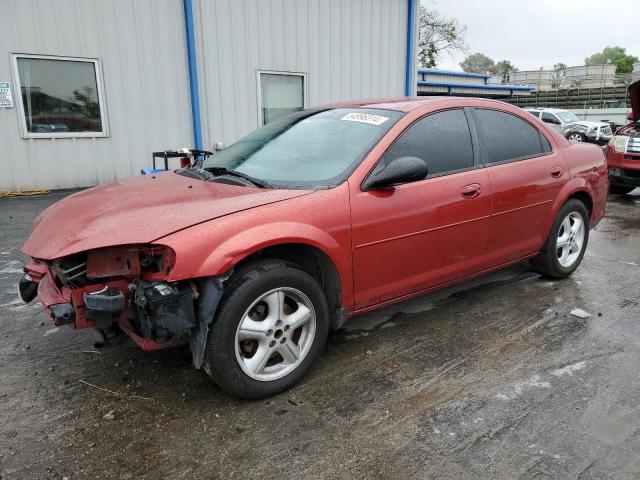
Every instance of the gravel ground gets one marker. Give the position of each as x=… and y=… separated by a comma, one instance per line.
x=490, y=379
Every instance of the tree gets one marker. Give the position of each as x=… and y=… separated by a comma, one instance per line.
x=558, y=75
x=85, y=103
x=478, y=63
x=437, y=35
x=504, y=69
x=617, y=55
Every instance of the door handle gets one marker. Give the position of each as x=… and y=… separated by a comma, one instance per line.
x=471, y=191
x=556, y=172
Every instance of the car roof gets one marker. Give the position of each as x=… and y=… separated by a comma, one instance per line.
x=403, y=104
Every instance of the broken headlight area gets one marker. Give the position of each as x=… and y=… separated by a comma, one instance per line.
x=151, y=262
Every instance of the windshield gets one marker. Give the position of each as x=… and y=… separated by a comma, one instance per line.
x=568, y=117
x=307, y=149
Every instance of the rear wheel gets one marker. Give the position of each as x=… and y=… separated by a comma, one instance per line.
x=620, y=190
x=567, y=242
x=272, y=323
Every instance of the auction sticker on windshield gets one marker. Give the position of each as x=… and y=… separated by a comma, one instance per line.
x=369, y=118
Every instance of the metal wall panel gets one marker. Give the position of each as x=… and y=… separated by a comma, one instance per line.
x=141, y=45
x=349, y=49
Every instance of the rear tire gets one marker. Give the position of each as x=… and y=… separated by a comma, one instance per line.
x=567, y=242
x=270, y=326
x=620, y=190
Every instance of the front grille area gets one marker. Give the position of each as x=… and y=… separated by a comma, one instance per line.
x=634, y=144
x=70, y=271
x=632, y=173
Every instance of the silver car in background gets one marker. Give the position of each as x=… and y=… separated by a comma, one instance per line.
x=572, y=127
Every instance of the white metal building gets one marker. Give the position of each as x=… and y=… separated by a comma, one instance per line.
x=89, y=88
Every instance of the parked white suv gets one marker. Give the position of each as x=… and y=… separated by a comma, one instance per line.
x=569, y=124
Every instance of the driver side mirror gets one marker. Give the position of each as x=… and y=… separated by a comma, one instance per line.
x=397, y=171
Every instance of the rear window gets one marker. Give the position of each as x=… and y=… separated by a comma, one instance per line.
x=508, y=137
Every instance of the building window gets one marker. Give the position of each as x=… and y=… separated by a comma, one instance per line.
x=60, y=96
x=280, y=94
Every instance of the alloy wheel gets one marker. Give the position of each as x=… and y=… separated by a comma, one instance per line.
x=575, y=137
x=275, y=334
x=570, y=239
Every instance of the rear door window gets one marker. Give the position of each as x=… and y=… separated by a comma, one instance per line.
x=441, y=139
x=507, y=137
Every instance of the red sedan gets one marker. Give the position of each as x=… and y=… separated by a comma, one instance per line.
x=251, y=256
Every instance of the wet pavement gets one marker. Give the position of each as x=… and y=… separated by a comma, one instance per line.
x=490, y=379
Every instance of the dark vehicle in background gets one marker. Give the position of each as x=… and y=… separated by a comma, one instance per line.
x=623, y=150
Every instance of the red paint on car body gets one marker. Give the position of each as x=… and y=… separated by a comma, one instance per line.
x=385, y=245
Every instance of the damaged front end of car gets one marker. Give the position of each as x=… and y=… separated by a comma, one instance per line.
x=125, y=288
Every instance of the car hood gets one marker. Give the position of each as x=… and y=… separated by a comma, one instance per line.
x=634, y=95
x=138, y=210
x=589, y=124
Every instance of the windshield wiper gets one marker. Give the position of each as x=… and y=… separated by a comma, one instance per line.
x=234, y=173
x=195, y=173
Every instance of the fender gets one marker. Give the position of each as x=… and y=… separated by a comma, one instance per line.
x=241, y=245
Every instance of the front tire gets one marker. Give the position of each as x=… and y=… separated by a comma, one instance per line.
x=576, y=137
x=270, y=326
x=567, y=242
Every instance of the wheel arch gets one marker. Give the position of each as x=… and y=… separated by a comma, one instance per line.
x=576, y=188
x=585, y=198
x=311, y=249
x=312, y=260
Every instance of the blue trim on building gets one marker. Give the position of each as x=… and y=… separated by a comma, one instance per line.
x=411, y=22
x=471, y=85
x=430, y=71
x=193, y=74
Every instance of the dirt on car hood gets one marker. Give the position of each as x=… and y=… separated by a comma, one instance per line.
x=138, y=210
x=634, y=95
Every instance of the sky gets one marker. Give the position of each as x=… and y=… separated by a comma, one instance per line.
x=539, y=33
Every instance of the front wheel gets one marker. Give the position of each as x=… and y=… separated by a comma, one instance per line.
x=567, y=242
x=272, y=323
x=576, y=137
